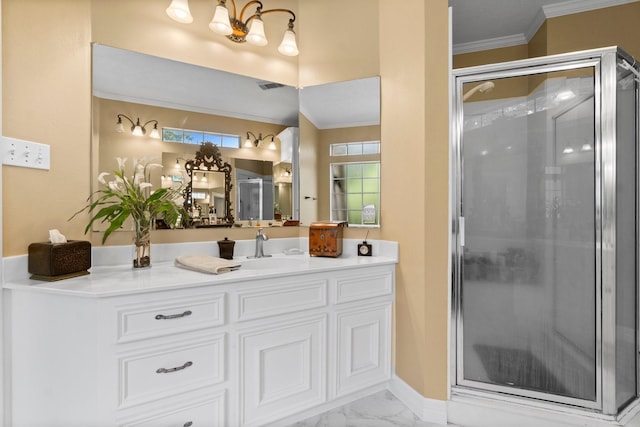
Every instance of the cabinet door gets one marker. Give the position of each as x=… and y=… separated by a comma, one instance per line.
x=364, y=347
x=282, y=369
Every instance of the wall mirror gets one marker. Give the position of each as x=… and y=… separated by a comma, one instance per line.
x=147, y=88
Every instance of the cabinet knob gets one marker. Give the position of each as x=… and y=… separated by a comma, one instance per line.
x=173, y=316
x=177, y=368
x=188, y=424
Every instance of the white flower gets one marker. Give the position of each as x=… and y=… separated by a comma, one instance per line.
x=113, y=185
x=138, y=178
x=101, y=179
x=121, y=162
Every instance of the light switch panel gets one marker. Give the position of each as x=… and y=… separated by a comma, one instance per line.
x=26, y=154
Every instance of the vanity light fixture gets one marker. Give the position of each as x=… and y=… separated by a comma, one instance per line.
x=238, y=29
x=258, y=141
x=137, y=129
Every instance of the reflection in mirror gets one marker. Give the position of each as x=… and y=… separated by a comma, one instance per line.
x=198, y=99
x=340, y=152
x=209, y=177
x=192, y=105
x=254, y=179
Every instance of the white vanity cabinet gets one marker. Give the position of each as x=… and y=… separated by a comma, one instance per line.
x=229, y=352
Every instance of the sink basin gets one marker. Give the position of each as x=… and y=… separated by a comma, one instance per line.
x=274, y=263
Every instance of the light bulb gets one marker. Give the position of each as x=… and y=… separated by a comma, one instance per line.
x=178, y=10
x=288, y=47
x=155, y=134
x=137, y=130
x=220, y=23
x=256, y=34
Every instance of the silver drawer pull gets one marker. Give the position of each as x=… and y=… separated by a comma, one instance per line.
x=177, y=368
x=173, y=316
x=188, y=424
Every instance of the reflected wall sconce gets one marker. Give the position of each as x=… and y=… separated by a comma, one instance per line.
x=258, y=141
x=137, y=129
x=236, y=28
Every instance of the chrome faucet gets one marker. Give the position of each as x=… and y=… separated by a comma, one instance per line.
x=260, y=239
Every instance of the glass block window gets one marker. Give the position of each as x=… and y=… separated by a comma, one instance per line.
x=186, y=136
x=355, y=148
x=355, y=193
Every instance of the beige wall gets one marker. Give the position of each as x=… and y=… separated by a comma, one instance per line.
x=414, y=135
x=46, y=97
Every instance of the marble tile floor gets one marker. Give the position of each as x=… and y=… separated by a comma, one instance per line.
x=381, y=409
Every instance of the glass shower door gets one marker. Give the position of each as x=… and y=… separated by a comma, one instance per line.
x=528, y=301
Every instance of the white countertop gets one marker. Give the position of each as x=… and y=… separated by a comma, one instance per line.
x=122, y=279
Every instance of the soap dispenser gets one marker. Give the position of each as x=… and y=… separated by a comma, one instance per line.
x=226, y=248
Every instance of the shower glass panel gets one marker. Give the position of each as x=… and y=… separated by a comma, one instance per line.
x=545, y=230
x=528, y=289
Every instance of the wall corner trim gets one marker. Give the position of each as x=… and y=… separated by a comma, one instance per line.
x=430, y=410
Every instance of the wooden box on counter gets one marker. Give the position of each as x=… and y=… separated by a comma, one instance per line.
x=325, y=238
x=57, y=261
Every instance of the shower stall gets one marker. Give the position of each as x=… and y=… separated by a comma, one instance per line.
x=545, y=232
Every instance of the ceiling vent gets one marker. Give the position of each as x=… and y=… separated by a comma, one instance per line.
x=264, y=85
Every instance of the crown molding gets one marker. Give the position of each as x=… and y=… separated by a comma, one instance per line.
x=548, y=11
x=496, y=43
x=577, y=6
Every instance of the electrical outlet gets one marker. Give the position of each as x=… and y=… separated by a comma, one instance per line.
x=26, y=154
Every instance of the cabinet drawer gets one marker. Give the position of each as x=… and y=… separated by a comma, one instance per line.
x=163, y=371
x=278, y=299
x=208, y=413
x=364, y=285
x=146, y=320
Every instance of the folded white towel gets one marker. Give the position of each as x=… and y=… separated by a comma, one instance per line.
x=206, y=264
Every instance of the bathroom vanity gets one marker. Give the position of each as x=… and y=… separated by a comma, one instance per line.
x=171, y=347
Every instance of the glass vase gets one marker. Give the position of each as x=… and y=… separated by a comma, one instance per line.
x=142, y=255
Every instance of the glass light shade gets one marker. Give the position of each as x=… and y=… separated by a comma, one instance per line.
x=567, y=150
x=137, y=130
x=256, y=34
x=272, y=145
x=220, y=23
x=587, y=147
x=177, y=166
x=248, y=143
x=178, y=10
x=119, y=126
x=288, y=47
x=155, y=134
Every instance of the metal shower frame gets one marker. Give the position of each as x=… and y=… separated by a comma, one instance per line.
x=604, y=62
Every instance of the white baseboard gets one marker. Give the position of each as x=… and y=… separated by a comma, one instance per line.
x=430, y=410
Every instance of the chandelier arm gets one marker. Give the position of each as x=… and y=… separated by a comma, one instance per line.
x=234, y=8
x=150, y=121
x=258, y=11
x=293, y=15
x=126, y=117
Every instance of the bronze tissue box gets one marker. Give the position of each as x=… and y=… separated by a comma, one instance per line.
x=57, y=261
x=325, y=238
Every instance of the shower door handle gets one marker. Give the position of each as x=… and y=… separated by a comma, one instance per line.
x=461, y=231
